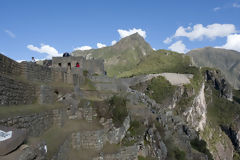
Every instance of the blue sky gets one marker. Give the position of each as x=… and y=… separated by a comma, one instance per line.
x=44, y=28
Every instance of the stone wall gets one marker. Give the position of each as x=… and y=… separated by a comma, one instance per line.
x=15, y=92
x=88, y=140
x=126, y=153
x=35, y=72
x=35, y=123
x=46, y=95
x=92, y=66
x=9, y=66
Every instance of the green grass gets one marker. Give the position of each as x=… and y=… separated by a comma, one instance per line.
x=221, y=110
x=145, y=158
x=158, y=62
x=201, y=146
x=119, y=110
x=18, y=110
x=160, y=89
x=136, y=128
x=236, y=96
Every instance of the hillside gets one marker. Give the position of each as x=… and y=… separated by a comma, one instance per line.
x=228, y=61
x=122, y=56
x=160, y=61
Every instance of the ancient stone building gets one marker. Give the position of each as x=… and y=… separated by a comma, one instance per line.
x=75, y=64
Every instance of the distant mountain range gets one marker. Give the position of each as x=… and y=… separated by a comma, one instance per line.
x=228, y=61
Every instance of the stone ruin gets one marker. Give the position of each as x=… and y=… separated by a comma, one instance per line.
x=17, y=79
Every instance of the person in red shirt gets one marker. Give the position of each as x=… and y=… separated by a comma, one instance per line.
x=77, y=65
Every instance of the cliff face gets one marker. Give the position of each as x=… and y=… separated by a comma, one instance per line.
x=196, y=114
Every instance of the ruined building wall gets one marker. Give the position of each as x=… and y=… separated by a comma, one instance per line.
x=12, y=89
x=15, y=92
x=92, y=66
x=35, y=72
x=9, y=66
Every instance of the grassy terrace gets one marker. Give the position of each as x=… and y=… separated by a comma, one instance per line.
x=55, y=136
x=18, y=110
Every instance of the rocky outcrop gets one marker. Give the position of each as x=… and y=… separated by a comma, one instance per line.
x=218, y=142
x=196, y=114
x=157, y=148
x=217, y=80
x=115, y=135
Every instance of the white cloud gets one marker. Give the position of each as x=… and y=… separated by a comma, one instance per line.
x=216, y=9
x=168, y=40
x=178, y=47
x=52, y=52
x=114, y=42
x=125, y=33
x=154, y=49
x=100, y=45
x=83, y=48
x=232, y=43
x=236, y=5
x=11, y=34
x=199, y=32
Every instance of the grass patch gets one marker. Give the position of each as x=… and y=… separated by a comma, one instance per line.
x=160, y=89
x=119, y=110
x=145, y=158
x=221, y=110
x=88, y=85
x=201, y=146
x=158, y=62
x=236, y=96
x=174, y=153
x=136, y=128
x=18, y=110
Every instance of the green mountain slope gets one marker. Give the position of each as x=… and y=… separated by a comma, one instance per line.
x=160, y=61
x=122, y=56
x=228, y=61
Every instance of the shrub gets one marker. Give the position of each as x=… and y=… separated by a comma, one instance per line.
x=119, y=110
x=160, y=89
x=201, y=146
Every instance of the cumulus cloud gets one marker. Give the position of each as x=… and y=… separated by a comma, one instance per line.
x=216, y=9
x=125, y=33
x=236, y=5
x=178, y=47
x=83, y=48
x=50, y=51
x=199, y=32
x=114, y=42
x=10, y=33
x=100, y=45
x=232, y=43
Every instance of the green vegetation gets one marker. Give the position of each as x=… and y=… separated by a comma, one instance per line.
x=88, y=85
x=176, y=154
x=136, y=129
x=236, y=96
x=160, y=61
x=160, y=89
x=236, y=156
x=18, y=110
x=225, y=60
x=118, y=109
x=222, y=111
x=145, y=158
x=201, y=146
